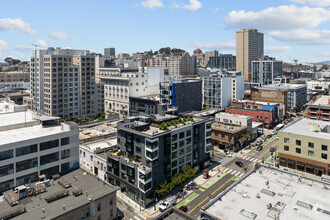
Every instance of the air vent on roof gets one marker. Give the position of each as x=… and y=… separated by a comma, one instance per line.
x=77, y=192
x=326, y=212
x=56, y=195
x=304, y=204
x=63, y=182
x=248, y=214
x=268, y=192
x=10, y=213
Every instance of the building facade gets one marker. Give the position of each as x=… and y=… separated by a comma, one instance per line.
x=63, y=83
x=219, y=90
x=249, y=47
x=304, y=146
x=319, y=108
x=223, y=61
x=148, y=155
x=147, y=105
x=264, y=71
x=183, y=94
x=271, y=96
x=110, y=52
x=33, y=145
x=14, y=76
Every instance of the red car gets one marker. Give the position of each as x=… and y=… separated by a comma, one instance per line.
x=184, y=208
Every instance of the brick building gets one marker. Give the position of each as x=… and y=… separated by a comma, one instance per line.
x=319, y=108
x=267, y=117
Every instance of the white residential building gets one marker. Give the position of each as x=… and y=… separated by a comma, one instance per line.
x=93, y=156
x=219, y=90
x=118, y=87
x=33, y=144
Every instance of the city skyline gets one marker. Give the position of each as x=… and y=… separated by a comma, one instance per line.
x=138, y=25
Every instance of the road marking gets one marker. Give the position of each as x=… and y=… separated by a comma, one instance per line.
x=251, y=159
x=234, y=172
x=255, y=160
x=229, y=171
x=268, y=149
x=244, y=157
x=136, y=218
x=189, y=199
x=225, y=169
x=241, y=175
x=211, y=195
x=143, y=216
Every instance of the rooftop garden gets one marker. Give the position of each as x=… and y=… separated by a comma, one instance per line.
x=173, y=123
x=80, y=121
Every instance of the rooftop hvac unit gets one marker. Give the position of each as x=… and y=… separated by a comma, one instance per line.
x=56, y=195
x=77, y=192
x=63, y=182
x=9, y=213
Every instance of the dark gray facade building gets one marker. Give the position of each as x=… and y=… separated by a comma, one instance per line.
x=145, y=105
x=223, y=61
x=110, y=52
x=183, y=94
x=147, y=155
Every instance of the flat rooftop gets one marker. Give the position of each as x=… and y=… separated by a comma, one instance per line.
x=227, y=127
x=12, y=118
x=98, y=130
x=84, y=181
x=322, y=100
x=283, y=192
x=284, y=86
x=309, y=127
x=233, y=115
x=101, y=144
x=256, y=102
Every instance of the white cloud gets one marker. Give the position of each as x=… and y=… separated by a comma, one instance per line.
x=58, y=35
x=152, y=4
x=24, y=47
x=40, y=43
x=323, y=3
x=277, y=49
x=4, y=46
x=16, y=25
x=193, y=5
x=303, y=37
x=229, y=45
x=287, y=23
x=282, y=18
x=175, y=5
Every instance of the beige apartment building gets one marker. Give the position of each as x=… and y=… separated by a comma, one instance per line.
x=208, y=54
x=14, y=76
x=176, y=65
x=249, y=47
x=63, y=83
x=304, y=146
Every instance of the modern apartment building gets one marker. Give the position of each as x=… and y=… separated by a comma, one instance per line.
x=110, y=52
x=304, y=146
x=120, y=86
x=182, y=94
x=264, y=71
x=249, y=47
x=177, y=65
x=220, y=89
x=319, y=108
x=34, y=144
x=146, y=104
x=223, y=61
x=297, y=94
x=148, y=155
x=209, y=54
x=63, y=83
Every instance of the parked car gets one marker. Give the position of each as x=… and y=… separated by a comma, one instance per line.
x=259, y=148
x=184, y=208
x=169, y=202
x=239, y=163
x=120, y=214
x=269, y=135
x=258, y=143
x=264, y=139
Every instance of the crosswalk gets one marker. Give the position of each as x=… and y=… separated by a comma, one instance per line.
x=139, y=218
x=227, y=160
x=252, y=159
x=233, y=172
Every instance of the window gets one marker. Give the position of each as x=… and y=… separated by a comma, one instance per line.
x=49, y=158
x=174, y=137
x=181, y=135
x=4, y=155
x=26, y=150
x=286, y=140
x=298, y=142
x=174, y=163
x=298, y=150
x=26, y=164
x=324, y=156
x=49, y=144
x=111, y=202
x=324, y=147
x=286, y=148
x=181, y=143
x=310, y=145
x=138, y=150
x=123, y=166
x=188, y=133
x=174, y=146
x=65, y=166
x=99, y=207
x=7, y=170
x=111, y=213
x=311, y=153
x=65, y=154
x=27, y=179
x=65, y=141
x=174, y=155
x=50, y=171
x=99, y=217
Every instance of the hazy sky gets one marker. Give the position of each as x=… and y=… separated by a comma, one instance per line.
x=294, y=29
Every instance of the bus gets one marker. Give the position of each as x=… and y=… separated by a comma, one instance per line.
x=279, y=126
